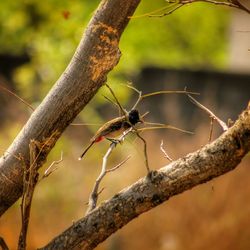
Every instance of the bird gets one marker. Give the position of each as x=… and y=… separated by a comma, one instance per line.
x=114, y=128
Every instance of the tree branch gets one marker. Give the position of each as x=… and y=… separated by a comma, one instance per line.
x=173, y=5
x=30, y=179
x=95, y=56
x=214, y=159
x=95, y=191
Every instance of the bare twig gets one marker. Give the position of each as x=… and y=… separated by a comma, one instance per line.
x=85, y=124
x=30, y=179
x=18, y=97
x=220, y=122
x=163, y=126
x=211, y=129
x=165, y=8
x=226, y=3
x=176, y=4
x=141, y=96
x=169, y=92
x=234, y=3
x=50, y=170
x=172, y=8
x=145, y=150
x=118, y=165
x=138, y=92
x=124, y=112
x=112, y=102
x=3, y=244
x=94, y=194
x=164, y=152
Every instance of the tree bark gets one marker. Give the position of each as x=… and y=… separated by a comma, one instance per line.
x=213, y=160
x=95, y=56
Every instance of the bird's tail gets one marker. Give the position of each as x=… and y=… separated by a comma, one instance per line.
x=86, y=150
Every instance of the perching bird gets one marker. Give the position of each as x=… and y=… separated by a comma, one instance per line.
x=114, y=128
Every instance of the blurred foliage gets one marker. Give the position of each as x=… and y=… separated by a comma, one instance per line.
x=49, y=31
x=193, y=36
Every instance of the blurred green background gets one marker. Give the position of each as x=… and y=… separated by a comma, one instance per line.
x=37, y=41
x=49, y=31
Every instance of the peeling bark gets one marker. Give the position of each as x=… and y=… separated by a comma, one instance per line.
x=95, y=56
x=214, y=159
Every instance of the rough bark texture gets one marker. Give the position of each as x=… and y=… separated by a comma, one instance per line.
x=95, y=56
x=214, y=159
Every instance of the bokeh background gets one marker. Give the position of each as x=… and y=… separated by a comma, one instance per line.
x=202, y=47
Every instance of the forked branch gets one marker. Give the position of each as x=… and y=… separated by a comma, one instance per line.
x=215, y=159
x=211, y=114
x=95, y=191
x=173, y=5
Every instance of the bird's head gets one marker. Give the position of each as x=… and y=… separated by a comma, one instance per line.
x=134, y=117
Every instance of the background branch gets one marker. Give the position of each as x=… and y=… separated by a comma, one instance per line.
x=95, y=56
x=173, y=5
x=214, y=159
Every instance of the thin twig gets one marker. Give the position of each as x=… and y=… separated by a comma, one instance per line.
x=138, y=92
x=145, y=150
x=18, y=97
x=211, y=129
x=111, y=101
x=118, y=165
x=146, y=113
x=94, y=194
x=220, y=122
x=141, y=96
x=176, y=4
x=169, y=92
x=234, y=4
x=124, y=112
x=164, y=152
x=229, y=4
x=86, y=124
x=176, y=7
x=171, y=4
x=149, y=13
x=164, y=126
x=50, y=170
x=30, y=178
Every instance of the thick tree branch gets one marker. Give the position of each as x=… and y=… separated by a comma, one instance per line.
x=213, y=160
x=95, y=56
